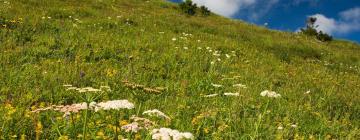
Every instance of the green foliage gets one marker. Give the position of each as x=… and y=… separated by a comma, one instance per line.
x=188, y=7
x=205, y=11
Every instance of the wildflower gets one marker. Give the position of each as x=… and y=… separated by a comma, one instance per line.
x=307, y=92
x=216, y=54
x=240, y=86
x=293, y=125
x=174, y=39
x=115, y=104
x=157, y=113
x=217, y=85
x=207, y=48
x=168, y=134
x=211, y=95
x=219, y=59
x=280, y=128
x=212, y=62
x=49, y=17
x=198, y=40
x=231, y=94
x=146, y=123
x=186, y=48
x=132, y=127
x=228, y=56
x=270, y=94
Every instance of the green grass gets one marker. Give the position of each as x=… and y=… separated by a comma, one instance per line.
x=114, y=40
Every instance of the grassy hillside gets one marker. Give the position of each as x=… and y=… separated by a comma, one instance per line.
x=45, y=44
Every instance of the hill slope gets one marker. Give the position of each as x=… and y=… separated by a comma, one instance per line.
x=47, y=44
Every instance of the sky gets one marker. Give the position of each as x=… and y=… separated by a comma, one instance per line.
x=339, y=18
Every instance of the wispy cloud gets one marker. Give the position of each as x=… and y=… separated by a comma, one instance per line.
x=349, y=21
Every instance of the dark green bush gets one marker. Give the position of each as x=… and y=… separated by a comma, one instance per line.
x=204, y=11
x=324, y=37
x=188, y=7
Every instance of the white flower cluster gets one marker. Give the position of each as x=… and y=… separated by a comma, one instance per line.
x=88, y=89
x=115, y=104
x=210, y=95
x=240, y=86
x=156, y=113
x=217, y=85
x=270, y=94
x=231, y=94
x=132, y=127
x=74, y=108
x=170, y=134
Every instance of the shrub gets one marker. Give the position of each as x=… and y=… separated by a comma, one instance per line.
x=324, y=37
x=188, y=7
x=204, y=11
x=310, y=30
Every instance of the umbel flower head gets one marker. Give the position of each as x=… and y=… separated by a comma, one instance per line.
x=270, y=94
x=156, y=113
x=115, y=104
x=74, y=108
x=168, y=134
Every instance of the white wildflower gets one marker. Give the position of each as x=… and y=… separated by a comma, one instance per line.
x=231, y=94
x=270, y=94
x=217, y=85
x=156, y=113
x=280, y=128
x=219, y=59
x=210, y=95
x=115, y=104
x=240, y=86
x=168, y=134
x=216, y=54
x=307, y=92
x=174, y=39
x=293, y=125
x=227, y=56
x=207, y=48
x=132, y=127
x=212, y=62
x=186, y=48
x=198, y=40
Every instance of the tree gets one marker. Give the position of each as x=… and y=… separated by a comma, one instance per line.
x=188, y=7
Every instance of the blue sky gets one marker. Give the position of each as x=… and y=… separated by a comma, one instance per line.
x=340, y=18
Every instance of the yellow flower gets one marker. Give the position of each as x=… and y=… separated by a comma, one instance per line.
x=123, y=122
x=206, y=130
x=64, y=138
x=23, y=137
x=137, y=137
x=38, y=130
x=100, y=134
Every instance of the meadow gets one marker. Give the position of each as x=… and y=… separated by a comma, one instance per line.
x=142, y=69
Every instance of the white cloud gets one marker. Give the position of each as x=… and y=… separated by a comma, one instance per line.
x=349, y=21
x=251, y=9
x=351, y=14
x=225, y=7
